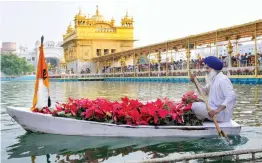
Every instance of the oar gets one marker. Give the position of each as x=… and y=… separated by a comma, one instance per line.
x=221, y=133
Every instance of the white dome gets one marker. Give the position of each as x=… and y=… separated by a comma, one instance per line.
x=98, y=18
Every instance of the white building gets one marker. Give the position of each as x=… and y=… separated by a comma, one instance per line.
x=29, y=56
x=52, y=51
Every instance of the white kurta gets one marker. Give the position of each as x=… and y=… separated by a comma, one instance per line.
x=220, y=92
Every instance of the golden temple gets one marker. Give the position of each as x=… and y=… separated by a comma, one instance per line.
x=100, y=45
x=93, y=37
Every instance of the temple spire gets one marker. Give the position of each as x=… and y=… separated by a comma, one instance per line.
x=97, y=10
x=80, y=11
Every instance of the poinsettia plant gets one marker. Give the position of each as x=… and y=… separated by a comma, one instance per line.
x=129, y=111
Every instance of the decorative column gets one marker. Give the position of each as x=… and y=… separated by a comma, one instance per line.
x=229, y=51
x=103, y=67
x=149, y=66
x=255, y=51
x=188, y=60
x=172, y=63
x=123, y=63
x=97, y=69
x=158, y=61
x=149, y=61
x=137, y=63
x=134, y=64
x=236, y=51
x=216, y=46
x=166, y=59
x=113, y=67
x=210, y=49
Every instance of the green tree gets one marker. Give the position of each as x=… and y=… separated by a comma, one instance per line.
x=11, y=64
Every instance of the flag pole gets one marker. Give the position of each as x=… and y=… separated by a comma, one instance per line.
x=42, y=75
x=49, y=99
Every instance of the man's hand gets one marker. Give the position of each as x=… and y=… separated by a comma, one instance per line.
x=212, y=113
x=199, y=100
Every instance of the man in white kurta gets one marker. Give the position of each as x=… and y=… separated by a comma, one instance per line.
x=221, y=95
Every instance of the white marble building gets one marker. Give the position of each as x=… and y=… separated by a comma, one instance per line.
x=53, y=54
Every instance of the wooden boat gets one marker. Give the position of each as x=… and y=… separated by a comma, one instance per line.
x=46, y=123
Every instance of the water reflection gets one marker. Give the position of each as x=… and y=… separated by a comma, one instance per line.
x=248, y=110
x=100, y=148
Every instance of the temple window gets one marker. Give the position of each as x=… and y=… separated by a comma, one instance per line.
x=86, y=54
x=98, y=52
x=106, y=51
x=113, y=50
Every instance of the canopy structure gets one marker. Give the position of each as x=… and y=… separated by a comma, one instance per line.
x=251, y=29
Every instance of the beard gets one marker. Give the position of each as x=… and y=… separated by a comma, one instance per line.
x=210, y=76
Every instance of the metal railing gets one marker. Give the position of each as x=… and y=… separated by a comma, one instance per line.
x=240, y=71
x=205, y=156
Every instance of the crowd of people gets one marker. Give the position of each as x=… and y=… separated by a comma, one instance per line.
x=239, y=60
x=244, y=60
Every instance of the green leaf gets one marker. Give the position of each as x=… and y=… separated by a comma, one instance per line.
x=61, y=113
x=68, y=114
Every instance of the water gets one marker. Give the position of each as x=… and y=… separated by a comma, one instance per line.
x=19, y=146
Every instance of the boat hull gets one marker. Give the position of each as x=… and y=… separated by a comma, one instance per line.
x=45, y=123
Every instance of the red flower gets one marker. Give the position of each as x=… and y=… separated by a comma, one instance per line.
x=163, y=113
x=125, y=100
x=127, y=111
x=188, y=107
x=88, y=113
x=159, y=103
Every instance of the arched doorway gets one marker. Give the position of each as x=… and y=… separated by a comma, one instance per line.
x=53, y=65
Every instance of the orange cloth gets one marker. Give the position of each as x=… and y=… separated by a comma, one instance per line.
x=42, y=73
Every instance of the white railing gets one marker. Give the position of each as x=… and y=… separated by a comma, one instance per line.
x=250, y=70
x=204, y=156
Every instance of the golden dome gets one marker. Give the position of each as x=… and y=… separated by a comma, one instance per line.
x=80, y=15
x=97, y=16
x=70, y=28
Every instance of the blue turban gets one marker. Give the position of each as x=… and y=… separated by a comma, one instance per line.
x=213, y=62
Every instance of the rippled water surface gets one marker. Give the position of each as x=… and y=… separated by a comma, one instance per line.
x=19, y=146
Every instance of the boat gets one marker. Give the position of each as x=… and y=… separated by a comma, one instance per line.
x=46, y=123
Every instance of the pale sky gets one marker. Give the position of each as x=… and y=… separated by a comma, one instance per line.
x=155, y=20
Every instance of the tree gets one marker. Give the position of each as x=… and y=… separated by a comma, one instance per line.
x=11, y=64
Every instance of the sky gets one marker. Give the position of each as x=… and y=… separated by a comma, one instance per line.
x=24, y=22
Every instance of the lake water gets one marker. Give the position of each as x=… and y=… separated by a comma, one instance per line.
x=19, y=146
